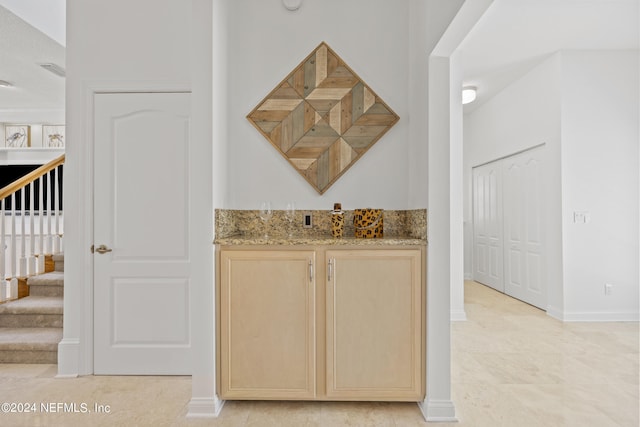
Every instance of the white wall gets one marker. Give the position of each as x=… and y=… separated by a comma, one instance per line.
x=591, y=143
x=523, y=115
x=600, y=176
x=266, y=42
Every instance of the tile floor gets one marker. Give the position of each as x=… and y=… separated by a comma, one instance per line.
x=512, y=365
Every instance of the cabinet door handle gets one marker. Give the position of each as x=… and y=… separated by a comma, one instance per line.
x=310, y=272
x=329, y=270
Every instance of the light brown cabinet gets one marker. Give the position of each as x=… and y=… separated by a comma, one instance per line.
x=321, y=323
x=267, y=327
x=374, y=324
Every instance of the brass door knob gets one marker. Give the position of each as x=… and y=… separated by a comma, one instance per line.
x=102, y=249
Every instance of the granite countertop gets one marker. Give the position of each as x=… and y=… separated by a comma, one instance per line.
x=244, y=228
x=239, y=239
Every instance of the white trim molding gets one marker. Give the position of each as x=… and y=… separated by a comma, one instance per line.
x=555, y=312
x=593, y=316
x=438, y=410
x=205, y=408
x=68, y=356
x=458, y=315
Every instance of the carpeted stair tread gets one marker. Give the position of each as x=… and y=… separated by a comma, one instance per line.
x=31, y=327
x=33, y=305
x=55, y=278
x=30, y=339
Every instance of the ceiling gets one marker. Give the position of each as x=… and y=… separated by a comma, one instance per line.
x=512, y=37
x=22, y=49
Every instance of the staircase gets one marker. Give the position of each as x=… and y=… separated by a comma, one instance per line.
x=31, y=327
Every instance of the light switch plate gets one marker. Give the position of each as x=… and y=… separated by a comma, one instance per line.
x=581, y=217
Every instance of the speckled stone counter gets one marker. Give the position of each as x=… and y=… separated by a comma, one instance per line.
x=244, y=227
x=317, y=241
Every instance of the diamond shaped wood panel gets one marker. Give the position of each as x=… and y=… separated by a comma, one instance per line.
x=322, y=117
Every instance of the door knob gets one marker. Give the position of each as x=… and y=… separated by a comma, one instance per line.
x=102, y=249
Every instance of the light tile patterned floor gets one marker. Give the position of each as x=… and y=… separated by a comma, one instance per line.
x=512, y=365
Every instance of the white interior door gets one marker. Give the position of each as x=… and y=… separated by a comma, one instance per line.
x=141, y=214
x=523, y=227
x=488, y=225
x=508, y=247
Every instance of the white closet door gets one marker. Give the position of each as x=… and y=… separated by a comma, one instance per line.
x=523, y=227
x=488, y=225
x=142, y=203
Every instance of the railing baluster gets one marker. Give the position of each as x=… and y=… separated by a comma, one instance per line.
x=49, y=201
x=56, y=238
x=3, y=248
x=13, y=285
x=22, y=272
x=32, y=244
x=41, y=221
x=60, y=215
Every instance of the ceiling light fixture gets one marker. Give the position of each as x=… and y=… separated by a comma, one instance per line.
x=4, y=83
x=54, y=68
x=292, y=4
x=468, y=94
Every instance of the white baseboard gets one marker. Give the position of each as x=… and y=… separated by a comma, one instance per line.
x=555, y=312
x=68, y=358
x=594, y=316
x=438, y=410
x=458, y=316
x=204, y=408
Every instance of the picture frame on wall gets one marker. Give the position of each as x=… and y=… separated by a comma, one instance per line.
x=53, y=136
x=17, y=136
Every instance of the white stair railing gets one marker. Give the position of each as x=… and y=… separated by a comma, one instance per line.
x=33, y=230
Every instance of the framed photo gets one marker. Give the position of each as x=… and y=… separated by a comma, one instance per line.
x=53, y=136
x=16, y=136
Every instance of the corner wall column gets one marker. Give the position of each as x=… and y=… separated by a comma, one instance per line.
x=438, y=405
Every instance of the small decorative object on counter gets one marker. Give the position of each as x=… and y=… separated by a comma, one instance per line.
x=337, y=220
x=368, y=223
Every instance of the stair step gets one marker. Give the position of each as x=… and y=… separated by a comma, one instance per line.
x=29, y=345
x=58, y=260
x=31, y=327
x=47, y=284
x=32, y=312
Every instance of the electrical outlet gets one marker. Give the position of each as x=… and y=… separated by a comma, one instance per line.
x=307, y=220
x=608, y=289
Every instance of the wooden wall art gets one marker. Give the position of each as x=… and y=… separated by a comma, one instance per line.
x=322, y=118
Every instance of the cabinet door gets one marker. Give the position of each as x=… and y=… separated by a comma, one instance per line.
x=374, y=325
x=267, y=306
